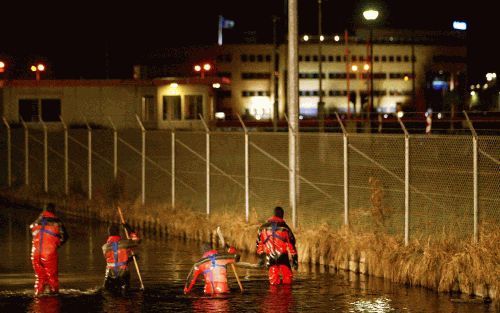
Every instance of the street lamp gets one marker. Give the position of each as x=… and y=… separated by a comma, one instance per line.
x=2, y=66
x=370, y=15
x=40, y=67
x=202, y=69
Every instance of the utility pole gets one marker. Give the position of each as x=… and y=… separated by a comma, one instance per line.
x=275, y=76
x=321, y=105
x=293, y=105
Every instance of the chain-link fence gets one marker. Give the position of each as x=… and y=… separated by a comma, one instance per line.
x=421, y=185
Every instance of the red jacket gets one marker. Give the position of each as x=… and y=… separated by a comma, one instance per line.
x=275, y=238
x=48, y=234
x=117, y=252
x=213, y=267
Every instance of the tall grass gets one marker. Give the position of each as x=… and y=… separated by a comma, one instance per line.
x=442, y=264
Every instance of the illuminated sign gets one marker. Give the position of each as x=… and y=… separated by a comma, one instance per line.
x=459, y=25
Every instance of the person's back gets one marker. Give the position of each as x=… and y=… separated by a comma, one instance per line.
x=275, y=241
x=49, y=234
x=117, y=253
x=213, y=267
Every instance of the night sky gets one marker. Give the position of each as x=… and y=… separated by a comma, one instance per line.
x=73, y=37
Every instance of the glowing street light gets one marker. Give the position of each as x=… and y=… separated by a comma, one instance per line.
x=336, y=38
x=370, y=14
x=306, y=38
x=40, y=67
x=354, y=68
x=2, y=66
x=366, y=66
x=206, y=67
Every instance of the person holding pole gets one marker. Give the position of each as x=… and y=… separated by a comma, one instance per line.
x=213, y=266
x=275, y=242
x=118, y=254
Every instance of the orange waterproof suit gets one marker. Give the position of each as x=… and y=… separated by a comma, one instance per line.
x=276, y=240
x=118, y=253
x=48, y=234
x=213, y=267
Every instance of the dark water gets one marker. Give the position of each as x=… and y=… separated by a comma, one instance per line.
x=164, y=265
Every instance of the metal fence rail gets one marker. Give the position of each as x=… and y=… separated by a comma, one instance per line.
x=410, y=186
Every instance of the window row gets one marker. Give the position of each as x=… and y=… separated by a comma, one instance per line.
x=255, y=93
x=341, y=75
x=356, y=58
x=255, y=75
x=255, y=58
x=336, y=93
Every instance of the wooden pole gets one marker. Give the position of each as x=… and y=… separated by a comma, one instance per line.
x=133, y=255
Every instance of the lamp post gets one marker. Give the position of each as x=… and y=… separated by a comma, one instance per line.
x=370, y=15
x=40, y=67
x=206, y=67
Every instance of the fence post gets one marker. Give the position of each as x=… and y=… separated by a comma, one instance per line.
x=208, y=162
x=407, y=182
x=89, y=160
x=45, y=158
x=26, y=154
x=115, y=149
x=475, y=174
x=346, y=170
x=247, y=181
x=9, y=153
x=292, y=168
x=66, y=156
x=143, y=161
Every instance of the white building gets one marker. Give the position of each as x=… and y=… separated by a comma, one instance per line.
x=258, y=75
x=159, y=103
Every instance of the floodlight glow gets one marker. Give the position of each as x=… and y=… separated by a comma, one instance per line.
x=216, y=85
x=406, y=78
x=472, y=93
x=220, y=115
x=370, y=14
x=459, y=25
x=336, y=38
x=174, y=85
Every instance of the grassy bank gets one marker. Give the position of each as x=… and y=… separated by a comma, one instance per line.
x=440, y=264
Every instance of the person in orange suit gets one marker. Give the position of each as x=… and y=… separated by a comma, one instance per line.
x=275, y=242
x=48, y=235
x=213, y=266
x=118, y=253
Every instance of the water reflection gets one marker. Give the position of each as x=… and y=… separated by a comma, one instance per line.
x=207, y=304
x=278, y=299
x=45, y=304
x=379, y=305
x=118, y=304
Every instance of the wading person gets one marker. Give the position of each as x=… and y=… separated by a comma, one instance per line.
x=48, y=235
x=275, y=242
x=118, y=253
x=213, y=266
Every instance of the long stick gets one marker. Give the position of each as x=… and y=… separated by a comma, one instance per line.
x=133, y=255
x=223, y=242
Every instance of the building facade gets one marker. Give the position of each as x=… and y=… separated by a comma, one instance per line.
x=159, y=103
x=409, y=70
